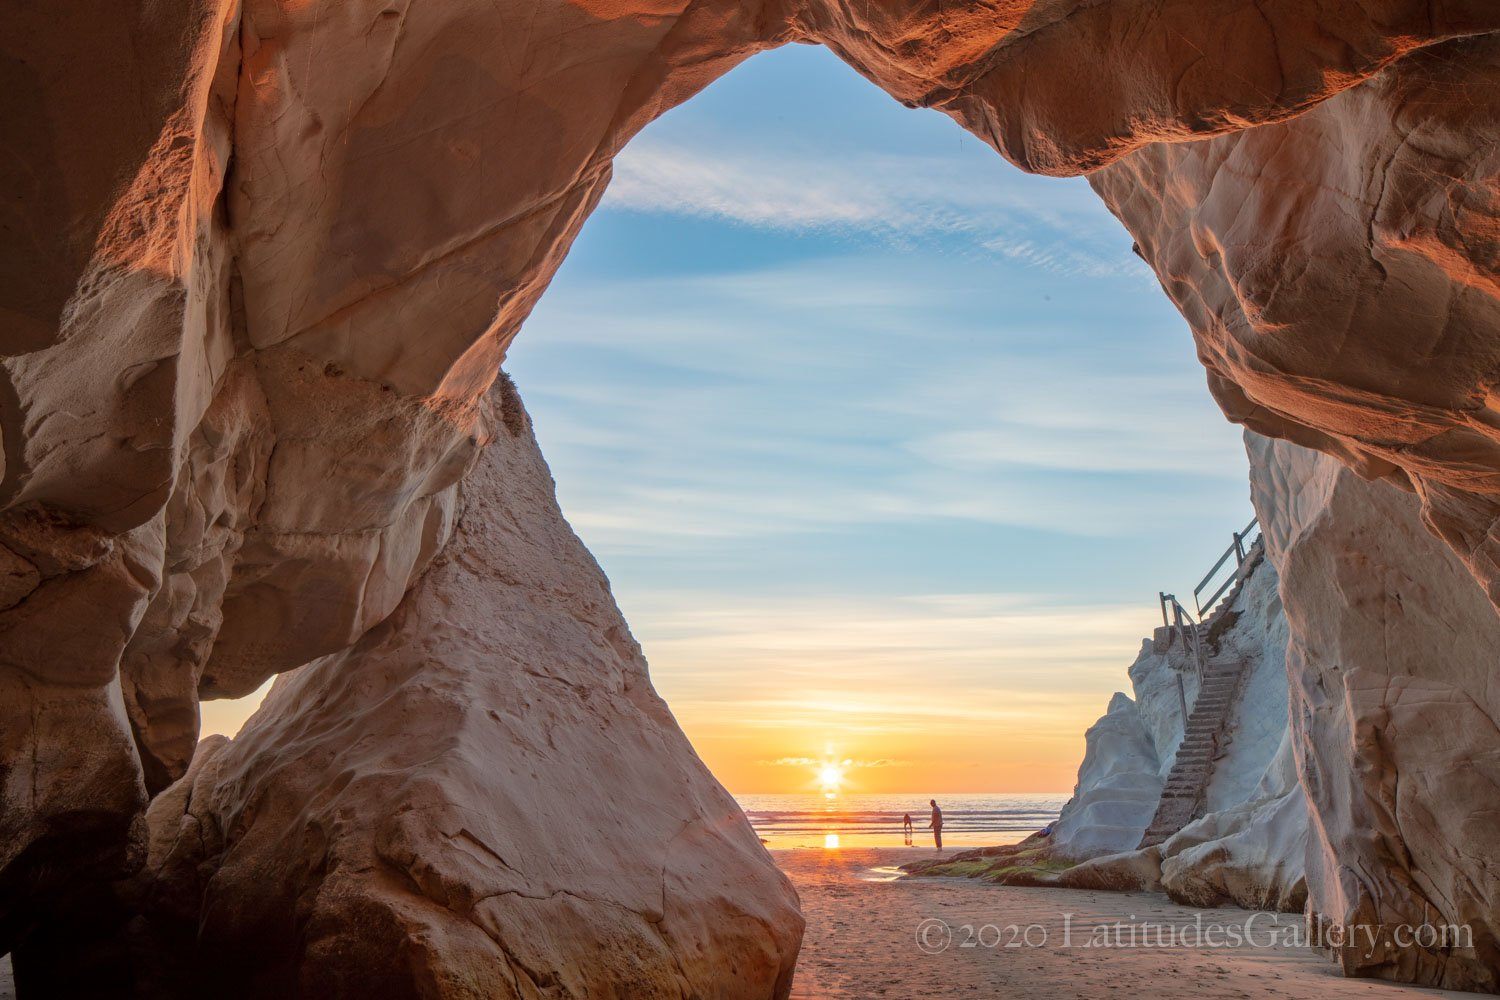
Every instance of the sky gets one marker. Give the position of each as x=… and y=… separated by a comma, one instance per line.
x=885, y=446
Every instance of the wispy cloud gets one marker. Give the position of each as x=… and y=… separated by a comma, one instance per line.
x=834, y=393
x=901, y=199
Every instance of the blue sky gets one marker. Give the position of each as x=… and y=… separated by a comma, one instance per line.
x=885, y=446
x=843, y=403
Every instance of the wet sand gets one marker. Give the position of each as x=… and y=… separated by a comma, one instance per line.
x=861, y=941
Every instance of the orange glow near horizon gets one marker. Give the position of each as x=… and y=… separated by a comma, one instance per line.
x=924, y=697
x=918, y=696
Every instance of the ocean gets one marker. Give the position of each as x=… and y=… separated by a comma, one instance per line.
x=874, y=820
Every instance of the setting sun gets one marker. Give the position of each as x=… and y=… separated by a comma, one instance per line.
x=830, y=777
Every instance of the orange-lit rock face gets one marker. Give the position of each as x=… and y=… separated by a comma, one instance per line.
x=1340, y=274
x=262, y=261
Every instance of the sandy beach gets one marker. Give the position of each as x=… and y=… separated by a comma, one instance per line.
x=862, y=926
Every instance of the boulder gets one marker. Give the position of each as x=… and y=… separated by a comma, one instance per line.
x=483, y=797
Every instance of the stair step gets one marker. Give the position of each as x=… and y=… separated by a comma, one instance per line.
x=1203, y=736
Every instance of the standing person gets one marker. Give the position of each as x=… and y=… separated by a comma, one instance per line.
x=937, y=823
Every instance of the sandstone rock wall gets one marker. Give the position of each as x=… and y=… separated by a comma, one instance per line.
x=1394, y=712
x=1339, y=271
x=483, y=797
x=262, y=261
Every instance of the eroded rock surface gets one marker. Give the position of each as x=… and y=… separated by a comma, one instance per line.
x=262, y=261
x=482, y=798
x=1341, y=272
x=1376, y=807
x=1394, y=714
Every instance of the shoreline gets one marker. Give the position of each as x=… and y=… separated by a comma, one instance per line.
x=861, y=940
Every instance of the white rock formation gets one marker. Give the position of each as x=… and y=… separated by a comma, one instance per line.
x=1119, y=783
x=1363, y=773
x=1252, y=854
x=1220, y=857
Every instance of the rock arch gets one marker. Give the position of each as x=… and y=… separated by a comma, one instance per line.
x=264, y=263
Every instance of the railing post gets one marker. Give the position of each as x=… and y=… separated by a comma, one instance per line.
x=1198, y=654
x=1182, y=697
x=1161, y=598
x=1239, y=548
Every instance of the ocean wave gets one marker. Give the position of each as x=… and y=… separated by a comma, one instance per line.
x=799, y=814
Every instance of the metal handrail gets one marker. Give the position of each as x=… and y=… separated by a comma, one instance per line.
x=1181, y=623
x=1175, y=618
x=1190, y=636
x=1239, y=548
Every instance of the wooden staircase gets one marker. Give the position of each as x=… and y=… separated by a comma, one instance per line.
x=1193, y=767
x=1252, y=558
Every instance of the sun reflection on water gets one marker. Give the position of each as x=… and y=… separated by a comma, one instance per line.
x=830, y=842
